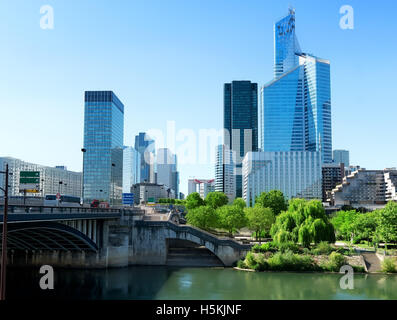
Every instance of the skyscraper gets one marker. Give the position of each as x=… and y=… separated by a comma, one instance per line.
x=342, y=156
x=103, y=146
x=295, y=107
x=240, y=122
x=167, y=173
x=225, y=167
x=146, y=147
x=131, y=168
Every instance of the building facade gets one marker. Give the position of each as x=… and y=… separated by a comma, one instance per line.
x=131, y=168
x=332, y=175
x=296, y=173
x=52, y=180
x=103, y=147
x=146, y=147
x=150, y=192
x=295, y=107
x=225, y=178
x=341, y=156
x=240, y=122
x=366, y=188
x=167, y=173
x=201, y=186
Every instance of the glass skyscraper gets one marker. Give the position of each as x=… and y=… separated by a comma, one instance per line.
x=146, y=147
x=131, y=168
x=240, y=122
x=103, y=147
x=295, y=108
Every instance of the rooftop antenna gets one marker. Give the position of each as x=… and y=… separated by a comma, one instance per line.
x=291, y=9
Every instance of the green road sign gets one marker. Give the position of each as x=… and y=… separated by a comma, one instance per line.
x=29, y=180
x=30, y=174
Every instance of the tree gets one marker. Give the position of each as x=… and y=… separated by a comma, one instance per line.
x=259, y=219
x=231, y=218
x=365, y=226
x=203, y=217
x=387, y=227
x=216, y=199
x=304, y=222
x=344, y=223
x=239, y=202
x=194, y=200
x=273, y=199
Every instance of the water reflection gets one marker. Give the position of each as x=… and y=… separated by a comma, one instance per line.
x=195, y=283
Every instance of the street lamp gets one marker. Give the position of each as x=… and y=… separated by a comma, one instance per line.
x=112, y=182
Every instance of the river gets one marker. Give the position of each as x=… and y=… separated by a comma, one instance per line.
x=195, y=283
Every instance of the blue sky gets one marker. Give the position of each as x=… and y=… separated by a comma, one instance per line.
x=168, y=60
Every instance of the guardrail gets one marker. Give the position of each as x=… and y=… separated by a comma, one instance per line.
x=46, y=209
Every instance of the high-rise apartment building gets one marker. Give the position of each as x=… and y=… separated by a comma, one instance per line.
x=295, y=107
x=240, y=122
x=52, y=180
x=131, y=168
x=146, y=147
x=332, y=175
x=103, y=147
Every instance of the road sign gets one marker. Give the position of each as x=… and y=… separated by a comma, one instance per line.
x=29, y=181
x=128, y=198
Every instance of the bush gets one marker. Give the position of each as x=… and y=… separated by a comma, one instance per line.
x=241, y=264
x=323, y=248
x=265, y=247
x=289, y=261
x=250, y=261
x=335, y=262
x=288, y=246
x=389, y=265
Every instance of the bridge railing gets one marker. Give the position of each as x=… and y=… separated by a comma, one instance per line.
x=46, y=209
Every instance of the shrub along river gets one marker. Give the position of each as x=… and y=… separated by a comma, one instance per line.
x=195, y=283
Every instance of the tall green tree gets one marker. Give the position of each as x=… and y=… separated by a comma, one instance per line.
x=365, y=225
x=345, y=224
x=239, y=202
x=203, y=217
x=193, y=201
x=273, y=199
x=259, y=219
x=387, y=223
x=231, y=218
x=216, y=199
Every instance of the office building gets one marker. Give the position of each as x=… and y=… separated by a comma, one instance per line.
x=296, y=173
x=151, y=192
x=167, y=174
x=103, y=147
x=225, y=178
x=51, y=180
x=332, y=175
x=240, y=122
x=341, y=156
x=146, y=147
x=370, y=189
x=131, y=168
x=295, y=107
x=201, y=186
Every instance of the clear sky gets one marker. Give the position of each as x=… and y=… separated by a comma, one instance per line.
x=168, y=60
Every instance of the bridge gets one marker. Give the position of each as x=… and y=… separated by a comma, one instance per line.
x=104, y=237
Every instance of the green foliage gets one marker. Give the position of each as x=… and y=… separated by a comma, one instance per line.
x=231, y=218
x=335, y=262
x=240, y=203
x=323, y=248
x=241, y=264
x=250, y=261
x=305, y=221
x=265, y=247
x=203, y=217
x=344, y=223
x=273, y=199
x=216, y=199
x=387, y=226
x=389, y=265
x=288, y=246
x=194, y=201
x=289, y=261
x=365, y=226
x=259, y=219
